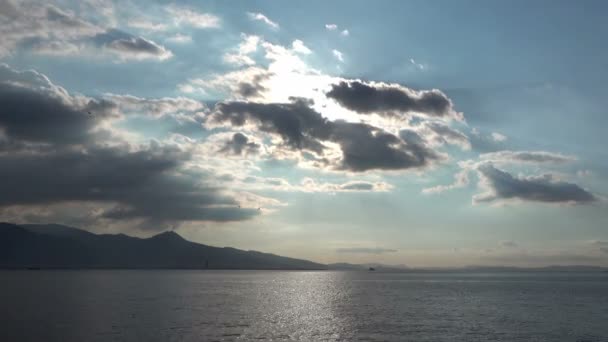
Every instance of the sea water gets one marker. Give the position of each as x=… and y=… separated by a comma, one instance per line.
x=140, y=305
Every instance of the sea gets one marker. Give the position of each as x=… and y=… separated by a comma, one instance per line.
x=180, y=305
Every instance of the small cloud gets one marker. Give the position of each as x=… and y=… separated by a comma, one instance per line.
x=146, y=25
x=138, y=48
x=261, y=17
x=334, y=27
x=525, y=157
x=417, y=65
x=338, y=55
x=508, y=244
x=298, y=46
x=240, y=144
x=363, y=250
x=193, y=18
x=498, y=137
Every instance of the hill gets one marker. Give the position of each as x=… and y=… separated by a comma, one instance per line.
x=57, y=246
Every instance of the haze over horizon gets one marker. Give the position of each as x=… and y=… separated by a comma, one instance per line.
x=430, y=134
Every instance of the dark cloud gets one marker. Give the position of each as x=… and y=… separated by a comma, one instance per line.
x=357, y=186
x=368, y=98
x=42, y=117
x=363, y=250
x=145, y=184
x=129, y=46
x=253, y=88
x=68, y=161
x=539, y=189
x=298, y=124
x=364, y=147
x=240, y=143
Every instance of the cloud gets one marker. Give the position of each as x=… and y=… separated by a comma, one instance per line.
x=54, y=151
x=363, y=147
x=240, y=57
x=49, y=30
x=310, y=185
x=334, y=27
x=261, y=17
x=417, y=65
x=295, y=122
x=298, y=46
x=240, y=144
x=498, y=137
x=498, y=185
x=438, y=134
x=508, y=244
x=23, y=23
x=187, y=16
x=338, y=55
x=535, y=157
x=369, y=98
x=155, y=107
x=146, y=25
x=461, y=179
x=357, y=186
x=143, y=184
x=248, y=83
x=486, y=142
x=364, y=250
x=34, y=110
x=501, y=185
x=130, y=47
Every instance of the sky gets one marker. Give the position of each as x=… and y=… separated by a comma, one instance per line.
x=418, y=133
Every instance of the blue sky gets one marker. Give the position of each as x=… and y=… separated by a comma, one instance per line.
x=425, y=133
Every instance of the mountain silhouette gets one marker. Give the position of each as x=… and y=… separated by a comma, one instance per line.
x=57, y=246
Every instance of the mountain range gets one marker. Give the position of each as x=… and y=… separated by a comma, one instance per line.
x=57, y=246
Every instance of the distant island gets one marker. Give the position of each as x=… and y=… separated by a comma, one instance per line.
x=52, y=246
